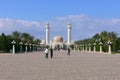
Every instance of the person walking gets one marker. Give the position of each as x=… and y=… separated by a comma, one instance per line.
x=46, y=53
x=51, y=53
x=68, y=51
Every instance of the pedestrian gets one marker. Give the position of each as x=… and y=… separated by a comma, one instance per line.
x=51, y=53
x=46, y=53
x=68, y=51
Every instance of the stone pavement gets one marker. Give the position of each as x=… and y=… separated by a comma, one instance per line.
x=77, y=66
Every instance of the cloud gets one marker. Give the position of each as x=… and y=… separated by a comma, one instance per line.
x=8, y=25
x=7, y=22
x=83, y=26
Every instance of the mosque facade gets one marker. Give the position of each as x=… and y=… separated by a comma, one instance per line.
x=58, y=41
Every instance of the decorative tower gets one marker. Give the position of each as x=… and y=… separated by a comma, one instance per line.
x=69, y=33
x=47, y=33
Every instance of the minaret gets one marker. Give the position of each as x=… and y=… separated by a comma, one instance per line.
x=47, y=33
x=69, y=33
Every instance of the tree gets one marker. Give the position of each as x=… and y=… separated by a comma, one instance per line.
x=103, y=37
x=26, y=37
x=16, y=35
x=96, y=37
x=37, y=41
x=117, y=44
x=3, y=42
x=9, y=39
x=113, y=38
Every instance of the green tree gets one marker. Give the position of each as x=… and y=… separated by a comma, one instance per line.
x=9, y=39
x=37, y=41
x=16, y=35
x=117, y=44
x=27, y=37
x=113, y=37
x=3, y=42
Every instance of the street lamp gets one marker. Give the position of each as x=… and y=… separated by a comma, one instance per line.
x=26, y=44
x=83, y=47
x=21, y=43
x=33, y=46
x=86, y=47
x=94, y=44
x=89, y=46
x=100, y=46
x=30, y=47
x=13, y=48
x=109, y=46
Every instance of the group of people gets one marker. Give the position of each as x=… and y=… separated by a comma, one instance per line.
x=47, y=52
x=51, y=52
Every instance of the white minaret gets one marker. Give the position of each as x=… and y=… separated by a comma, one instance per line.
x=69, y=32
x=47, y=33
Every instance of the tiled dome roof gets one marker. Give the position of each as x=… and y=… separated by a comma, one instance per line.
x=58, y=39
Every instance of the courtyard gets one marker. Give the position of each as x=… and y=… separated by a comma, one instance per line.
x=77, y=66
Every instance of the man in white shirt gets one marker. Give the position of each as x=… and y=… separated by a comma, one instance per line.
x=46, y=53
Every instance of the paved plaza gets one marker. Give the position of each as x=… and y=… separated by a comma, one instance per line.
x=77, y=66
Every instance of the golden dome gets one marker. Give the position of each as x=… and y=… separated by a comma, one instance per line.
x=58, y=39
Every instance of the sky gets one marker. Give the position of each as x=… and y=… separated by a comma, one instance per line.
x=87, y=17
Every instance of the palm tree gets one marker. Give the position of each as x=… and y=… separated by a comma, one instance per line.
x=16, y=35
x=113, y=37
x=96, y=37
x=27, y=38
x=37, y=41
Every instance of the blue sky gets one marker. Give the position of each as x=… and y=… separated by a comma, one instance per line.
x=87, y=17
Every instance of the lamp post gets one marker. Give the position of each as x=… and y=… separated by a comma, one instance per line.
x=33, y=47
x=13, y=48
x=26, y=48
x=89, y=47
x=21, y=43
x=86, y=47
x=83, y=48
x=94, y=44
x=109, y=46
x=30, y=47
x=100, y=46
x=37, y=47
